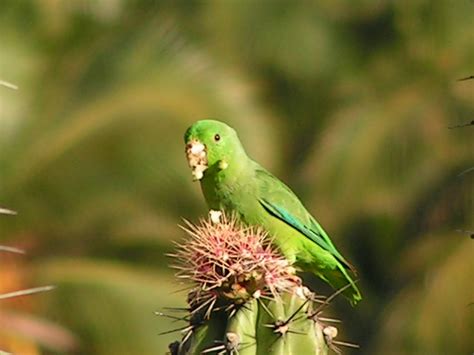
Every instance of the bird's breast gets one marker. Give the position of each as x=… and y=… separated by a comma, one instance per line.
x=231, y=195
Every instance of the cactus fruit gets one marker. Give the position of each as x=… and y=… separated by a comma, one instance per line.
x=245, y=298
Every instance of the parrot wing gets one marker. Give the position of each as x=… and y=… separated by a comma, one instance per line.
x=278, y=200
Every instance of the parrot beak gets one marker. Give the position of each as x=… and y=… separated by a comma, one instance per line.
x=197, y=158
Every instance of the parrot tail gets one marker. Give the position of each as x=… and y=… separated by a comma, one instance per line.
x=339, y=279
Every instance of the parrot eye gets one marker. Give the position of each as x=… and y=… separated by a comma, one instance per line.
x=217, y=138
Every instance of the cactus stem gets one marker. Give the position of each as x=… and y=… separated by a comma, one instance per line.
x=265, y=308
x=282, y=327
x=290, y=319
x=275, y=340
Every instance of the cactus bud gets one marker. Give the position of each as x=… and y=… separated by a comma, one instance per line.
x=231, y=263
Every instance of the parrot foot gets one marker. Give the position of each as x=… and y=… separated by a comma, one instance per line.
x=215, y=216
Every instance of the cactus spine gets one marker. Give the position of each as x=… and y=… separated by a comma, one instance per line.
x=246, y=298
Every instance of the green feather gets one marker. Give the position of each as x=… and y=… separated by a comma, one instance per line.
x=314, y=233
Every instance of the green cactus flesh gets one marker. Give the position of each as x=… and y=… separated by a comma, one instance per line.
x=260, y=326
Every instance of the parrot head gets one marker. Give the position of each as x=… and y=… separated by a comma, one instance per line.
x=212, y=145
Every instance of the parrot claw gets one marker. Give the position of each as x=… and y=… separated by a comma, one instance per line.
x=215, y=216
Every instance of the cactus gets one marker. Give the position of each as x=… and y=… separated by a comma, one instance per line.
x=245, y=298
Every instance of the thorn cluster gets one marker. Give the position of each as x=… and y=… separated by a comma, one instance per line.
x=244, y=295
x=229, y=262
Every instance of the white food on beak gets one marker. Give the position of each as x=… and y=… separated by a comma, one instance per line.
x=197, y=158
x=215, y=216
x=197, y=148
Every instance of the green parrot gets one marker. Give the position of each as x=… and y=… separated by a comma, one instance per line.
x=234, y=183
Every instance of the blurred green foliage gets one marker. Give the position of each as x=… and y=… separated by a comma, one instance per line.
x=348, y=102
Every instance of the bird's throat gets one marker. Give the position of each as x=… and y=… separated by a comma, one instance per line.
x=222, y=182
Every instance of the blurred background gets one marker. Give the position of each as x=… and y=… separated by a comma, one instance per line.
x=349, y=102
